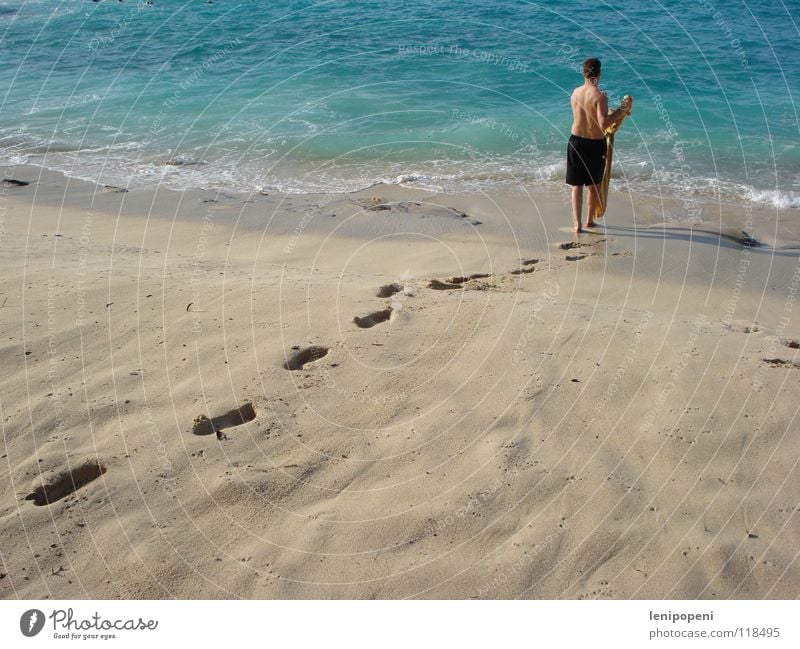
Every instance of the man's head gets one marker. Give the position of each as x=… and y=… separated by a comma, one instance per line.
x=591, y=68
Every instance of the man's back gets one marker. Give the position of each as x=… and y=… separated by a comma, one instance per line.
x=587, y=104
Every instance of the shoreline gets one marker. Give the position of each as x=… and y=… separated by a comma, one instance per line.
x=452, y=396
x=752, y=224
x=774, y=223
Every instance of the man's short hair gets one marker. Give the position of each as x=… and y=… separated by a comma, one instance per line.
x=591, y=68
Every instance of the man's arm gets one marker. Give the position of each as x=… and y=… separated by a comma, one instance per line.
x=604, y=119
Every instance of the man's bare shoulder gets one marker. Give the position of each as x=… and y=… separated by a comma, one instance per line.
x=595, y=93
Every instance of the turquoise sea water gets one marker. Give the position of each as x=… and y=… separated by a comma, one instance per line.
x=325, y=96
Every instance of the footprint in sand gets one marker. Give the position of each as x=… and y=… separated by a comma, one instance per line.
x=465, y=216
x=387, y=290
x=11, y=182
x=455, y=282
x=443, y=286
x=461, y=279
x=575, y=257
x=779, y=362
x=523, y=270
x=202, y=425
x=571, y=245
x=372, y=319
x=304, y=356
x=413, y=208
x=791, y=344
x=66, y=482
x=744, y=326
x=377, y=204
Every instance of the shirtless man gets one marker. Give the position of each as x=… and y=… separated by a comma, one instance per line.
x=586, y=150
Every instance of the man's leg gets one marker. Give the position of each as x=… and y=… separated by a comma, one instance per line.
x=577, y=205
x=592, y=204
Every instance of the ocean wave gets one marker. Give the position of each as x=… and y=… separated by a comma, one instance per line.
x=129, y=164
x=59, y=106
x=774, y=197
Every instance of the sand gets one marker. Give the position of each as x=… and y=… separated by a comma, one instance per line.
x=394, y=394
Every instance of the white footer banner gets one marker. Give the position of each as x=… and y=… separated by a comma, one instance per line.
x=389, y=624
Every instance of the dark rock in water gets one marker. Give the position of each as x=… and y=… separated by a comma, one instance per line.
x=114, y=189
x=15, y=183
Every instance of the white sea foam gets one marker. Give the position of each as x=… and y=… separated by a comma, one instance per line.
x=131, y=165
x=774, y=197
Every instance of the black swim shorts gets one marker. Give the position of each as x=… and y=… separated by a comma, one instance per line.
x=586, y=160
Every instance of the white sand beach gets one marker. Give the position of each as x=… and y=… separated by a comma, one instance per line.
x=516, y=412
